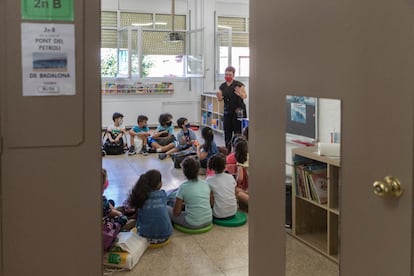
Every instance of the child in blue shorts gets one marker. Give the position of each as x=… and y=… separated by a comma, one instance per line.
x=163, y=138
x=186, y=138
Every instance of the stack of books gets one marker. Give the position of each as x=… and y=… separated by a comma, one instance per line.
x=311, y=180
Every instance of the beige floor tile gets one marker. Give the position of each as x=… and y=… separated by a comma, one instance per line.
x=241, y=271
x=222, y=251
x=301, y=260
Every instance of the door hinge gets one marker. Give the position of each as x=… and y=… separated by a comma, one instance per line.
x=1, y=144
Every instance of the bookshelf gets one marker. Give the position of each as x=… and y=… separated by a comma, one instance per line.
x=315, y=221
x=211, y=111
x=134, y=88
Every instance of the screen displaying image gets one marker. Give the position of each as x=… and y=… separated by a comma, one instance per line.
x=298, y=112
x=301, y=116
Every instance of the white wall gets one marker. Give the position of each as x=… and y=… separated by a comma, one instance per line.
x=181, y=103
x=329, y=118
x=186, y=97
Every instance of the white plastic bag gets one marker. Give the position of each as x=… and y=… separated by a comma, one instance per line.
x=132, y=246
x=138, y=144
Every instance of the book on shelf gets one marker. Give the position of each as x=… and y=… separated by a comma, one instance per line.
x=299, y=181
x=319, y=183
x=310, y=179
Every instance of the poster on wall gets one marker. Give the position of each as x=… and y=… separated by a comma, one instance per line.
x=301, y=114
x=48, y=59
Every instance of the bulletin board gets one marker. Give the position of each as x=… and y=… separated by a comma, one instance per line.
x=302, y=117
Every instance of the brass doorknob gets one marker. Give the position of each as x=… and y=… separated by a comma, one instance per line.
x=390, y=186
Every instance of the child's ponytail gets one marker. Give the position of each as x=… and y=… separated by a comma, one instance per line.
x=208, y=136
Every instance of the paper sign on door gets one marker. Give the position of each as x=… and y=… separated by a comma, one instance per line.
x=48, y=59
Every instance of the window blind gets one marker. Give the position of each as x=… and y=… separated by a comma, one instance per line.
x=153, y=36
x=240, y=36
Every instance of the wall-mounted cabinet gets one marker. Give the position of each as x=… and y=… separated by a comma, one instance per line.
x=315, y=202
x=211, y=112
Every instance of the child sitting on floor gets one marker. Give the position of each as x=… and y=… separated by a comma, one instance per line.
x=242, y=157
x=153, y=221
x=231, y=162
x=186, y=137
x=139, y=135
x=195, y=195
x=223, y=188
x=114, y=140
x=209, y=147
x=108, y=209
x=163, y=138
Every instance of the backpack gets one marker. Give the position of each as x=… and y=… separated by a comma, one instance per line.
x=178, y=157
x=113, y=148
x=110, y=229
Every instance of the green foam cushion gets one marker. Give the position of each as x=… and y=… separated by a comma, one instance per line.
x=193, y=231
x=239, y=219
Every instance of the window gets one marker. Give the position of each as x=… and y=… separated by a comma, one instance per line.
x=108, y=44
x=137, y=46
x=232, y=45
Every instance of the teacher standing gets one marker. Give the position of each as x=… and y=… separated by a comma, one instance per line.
x=233, y=93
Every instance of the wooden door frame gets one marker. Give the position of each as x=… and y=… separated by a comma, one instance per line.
x=2, y=108
x=324, y=50
x=51, y=192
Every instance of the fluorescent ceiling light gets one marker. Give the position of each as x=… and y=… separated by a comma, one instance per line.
x=224, y=27
x=149, y=24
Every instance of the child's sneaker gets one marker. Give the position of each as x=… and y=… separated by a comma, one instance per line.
x=152, y=150
x=132, y=151
x=162, y=156
x=144, y=151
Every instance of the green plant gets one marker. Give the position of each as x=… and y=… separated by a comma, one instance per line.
x=108, y=65
x=146, y=65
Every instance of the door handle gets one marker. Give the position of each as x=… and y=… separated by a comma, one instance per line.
x=389, y=187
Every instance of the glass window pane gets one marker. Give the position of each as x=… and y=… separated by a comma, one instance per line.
x=129, y=18
x=108, y=62
x=238, y=24
x=108, y=38
x=108, y=19
x=165, y=65
x=195, y=60
x=154, y=43
x=179, y=22
x=123, y=63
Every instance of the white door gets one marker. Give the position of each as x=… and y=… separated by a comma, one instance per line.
x=361, y=52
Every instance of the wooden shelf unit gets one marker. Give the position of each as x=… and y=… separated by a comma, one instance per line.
x=211, y=113
x=315, y=224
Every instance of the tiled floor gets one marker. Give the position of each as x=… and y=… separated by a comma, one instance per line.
x=222, y=251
